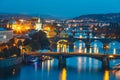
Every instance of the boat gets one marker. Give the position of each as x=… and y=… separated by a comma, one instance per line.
x=41, y=58
x=29, y=59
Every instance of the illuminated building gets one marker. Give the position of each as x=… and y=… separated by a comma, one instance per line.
x=50, y=30
x=11, y=24
x=5, y=35
x=20, y=25
x=39, y=25
x=63, y=34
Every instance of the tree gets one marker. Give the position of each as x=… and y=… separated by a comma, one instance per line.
x=38, y=41
x=27, y=41
x=12, y=41
x=19, y=43
x=6, y=52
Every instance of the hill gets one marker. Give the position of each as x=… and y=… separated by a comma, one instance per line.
x=111, y=17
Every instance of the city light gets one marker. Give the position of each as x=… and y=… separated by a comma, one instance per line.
x=111, y=56
x=21, y=20
x=59, y=40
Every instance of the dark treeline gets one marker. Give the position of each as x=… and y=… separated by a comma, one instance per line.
x=37, y=41
x=8, y=52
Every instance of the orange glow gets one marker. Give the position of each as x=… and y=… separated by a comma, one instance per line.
x=50, y=30
x=106, y=75
x=111, y=56
x=27, y=28
x=107, y=47
x=20, y=27
x=47, y=28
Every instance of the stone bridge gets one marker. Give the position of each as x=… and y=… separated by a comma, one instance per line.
x=87, y=41
x=61, y=56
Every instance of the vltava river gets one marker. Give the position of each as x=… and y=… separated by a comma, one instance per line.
x=77, y=68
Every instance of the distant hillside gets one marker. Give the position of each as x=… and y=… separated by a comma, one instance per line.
x=8, y=16
x=52, y=17
x=27, y=16
x=111, y=17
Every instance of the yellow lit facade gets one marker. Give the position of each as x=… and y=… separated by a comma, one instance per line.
x=50, y=30
x=22, y=26
x=62, y=46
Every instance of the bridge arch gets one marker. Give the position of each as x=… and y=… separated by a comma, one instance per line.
x=96, y=43
x=79, y=46
x=79, y=43
x=62, y=46
x=62, y=40
x=98, y=59
x=114, y=44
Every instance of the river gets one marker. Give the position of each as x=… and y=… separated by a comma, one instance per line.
x=77, y=68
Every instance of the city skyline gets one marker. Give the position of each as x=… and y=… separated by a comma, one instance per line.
x=63, y=8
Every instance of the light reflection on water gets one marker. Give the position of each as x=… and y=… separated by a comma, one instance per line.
x=78, y=68
x=79, y=64
x=36, y=66
x=106, y=75
x=63, y=74
x=49, y=71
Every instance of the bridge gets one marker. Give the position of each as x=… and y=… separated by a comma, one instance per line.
x=70, y=41
x=61, y=56
x=85, y=39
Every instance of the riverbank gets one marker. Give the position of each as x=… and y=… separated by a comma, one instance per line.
x=10, y=62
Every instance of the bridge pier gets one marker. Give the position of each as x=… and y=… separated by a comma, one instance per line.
x=62, y=61
x=105, y=63
x=87, y=45
x=53, y=46
x=71, y=47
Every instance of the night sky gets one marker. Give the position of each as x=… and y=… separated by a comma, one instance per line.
x=60, y=8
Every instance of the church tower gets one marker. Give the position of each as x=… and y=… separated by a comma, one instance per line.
x=39, y=25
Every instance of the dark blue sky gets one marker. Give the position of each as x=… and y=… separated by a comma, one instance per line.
x=60, y=8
